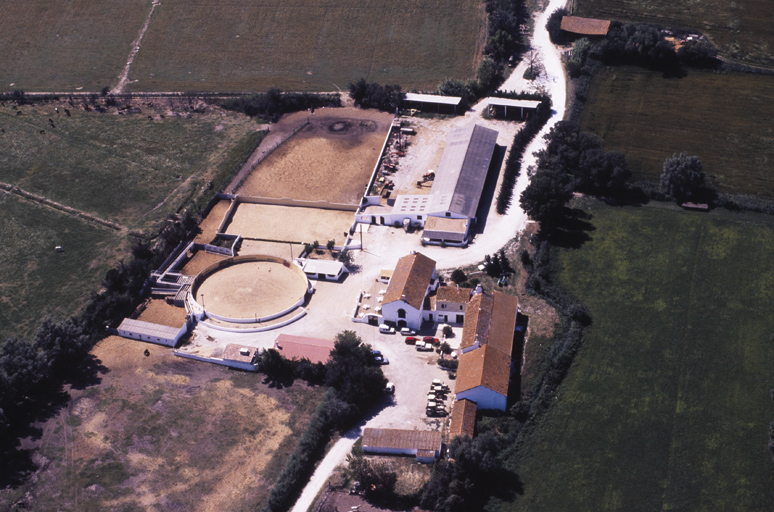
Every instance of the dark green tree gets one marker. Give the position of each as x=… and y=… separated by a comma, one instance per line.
x=545, y=197
x=554, y=26
x=458, y=276
x=683, y=177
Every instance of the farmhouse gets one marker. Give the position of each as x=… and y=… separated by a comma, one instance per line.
x=316, y=350
x=463, y=419
x=448, y=304
x=440, y=230
x=411, y=282
x=484, y=370
x=151, y=332
x=589, y=27
x=483, y=376
x=425, y=444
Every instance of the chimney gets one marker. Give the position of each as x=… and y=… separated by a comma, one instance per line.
x=403, y=297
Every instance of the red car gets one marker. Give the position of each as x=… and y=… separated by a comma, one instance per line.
x=410, y=340
x=431, y=340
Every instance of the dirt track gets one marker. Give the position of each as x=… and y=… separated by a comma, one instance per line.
x=290, y=224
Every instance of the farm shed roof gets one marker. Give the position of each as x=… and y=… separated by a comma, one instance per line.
x=445, y=228
x=463, y=418
x=299, y=347
x=409, y=282
x=233, y=352
x=486, y=367
x=402, y=439
x=462, y=170
x=143, y=328
x=433, y=98
x=322, y=267
x=412, y=204
x=507, y=102
x=585, y=26
x=490, y=319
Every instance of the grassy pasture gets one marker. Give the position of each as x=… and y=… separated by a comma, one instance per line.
x=667, y=405
x=165, y=433
x=64, y=46
x=722, y=118
x=298, y=45
x=740, y=28
x=125, y=168
x=36, y=281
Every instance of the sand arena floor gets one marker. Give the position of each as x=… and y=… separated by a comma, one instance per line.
x=251, y=289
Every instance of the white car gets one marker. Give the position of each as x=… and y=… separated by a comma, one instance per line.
x=386, y=329
x=424, y=347
x=407, y=332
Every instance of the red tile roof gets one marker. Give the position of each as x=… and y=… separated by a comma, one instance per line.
x=463, y=419
x=300, y=347
x=401, y=439
x=585, y=26
x=410, y=280
x=490, y=318
x=453, y=294
x=486, y=367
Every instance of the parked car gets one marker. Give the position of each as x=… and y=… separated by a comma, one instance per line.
x=390, y=388
x=410, y=340
x=379, y=358
x=407, y=332
x=431, y=340
x=424, y=347
x=386, y=329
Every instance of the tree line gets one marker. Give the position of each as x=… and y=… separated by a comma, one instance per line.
x=273, y=103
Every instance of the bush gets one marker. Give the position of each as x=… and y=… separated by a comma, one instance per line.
x=372, y=95
x=274, y=103
x=448, y=332
x=448, y=364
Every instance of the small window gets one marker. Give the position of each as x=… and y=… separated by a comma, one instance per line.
x=419, y=217
x=460, y=307
x=448, y=214
x=443, y=306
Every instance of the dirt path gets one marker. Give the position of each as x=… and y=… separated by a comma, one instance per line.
x=123, y=77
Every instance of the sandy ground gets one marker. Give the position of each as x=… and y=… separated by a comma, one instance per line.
x=251, y=289
x=185, y=435
x=199, y=262
x=209, y=225
x=278, y=249
x=330, y=159
x=290, y=224
x=159, y=312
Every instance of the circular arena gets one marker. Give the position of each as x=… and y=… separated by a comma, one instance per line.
x=250, y=288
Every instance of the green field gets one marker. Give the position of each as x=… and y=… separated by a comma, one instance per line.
x=667, y=405
x=740, y=28
x=240, y=46
x=123, y=168
x=36, y=281
x=65, y=46
x=725, y=119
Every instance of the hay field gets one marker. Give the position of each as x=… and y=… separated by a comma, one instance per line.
x=667, y=405
x=331, y=159
x=165, y=433
x=299, y=45
x=290, y=224
x=66, y=46
x=740, y=28
x=125, y=168
x=725, y=119
x=35, y=280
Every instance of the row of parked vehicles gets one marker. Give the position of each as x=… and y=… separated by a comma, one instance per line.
x=436, y=398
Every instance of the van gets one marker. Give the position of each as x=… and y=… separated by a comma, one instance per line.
x=386, y=329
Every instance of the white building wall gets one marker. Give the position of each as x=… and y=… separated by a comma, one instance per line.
x=485, y=398
x=413, y=316
x=390, y=451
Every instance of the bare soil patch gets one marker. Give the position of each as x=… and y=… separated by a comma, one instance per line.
x=199, y=261
x=164, y=433
x=252, y=289
x=159, y=312
x=330, y=159
x=290, y=224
